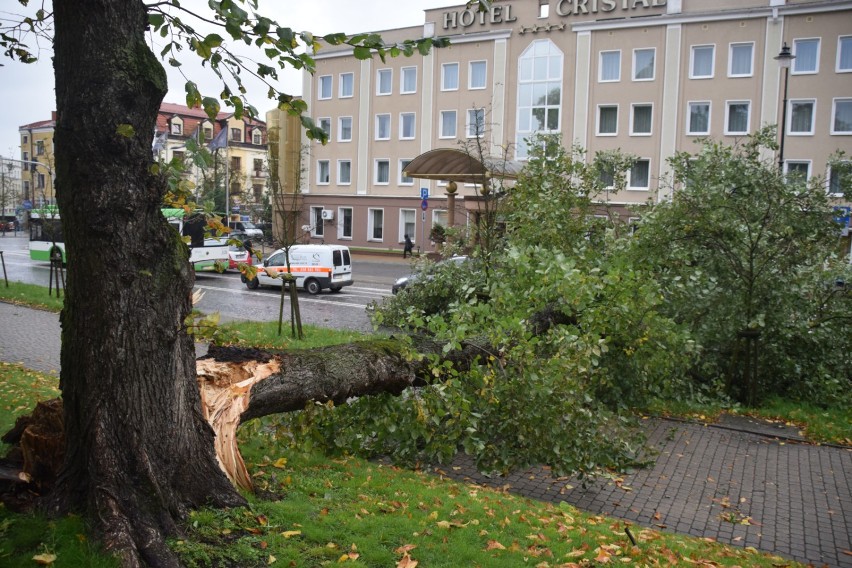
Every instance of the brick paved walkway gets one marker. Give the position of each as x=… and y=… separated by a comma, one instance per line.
x=705, y=481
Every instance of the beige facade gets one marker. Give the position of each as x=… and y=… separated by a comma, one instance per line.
x=37, y=146
x=648, y=77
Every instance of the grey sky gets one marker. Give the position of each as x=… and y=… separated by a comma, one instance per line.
x=27, y=95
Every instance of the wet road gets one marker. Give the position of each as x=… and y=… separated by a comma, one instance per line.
x=227, y=295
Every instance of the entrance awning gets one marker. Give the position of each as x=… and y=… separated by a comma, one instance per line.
x=450, y=164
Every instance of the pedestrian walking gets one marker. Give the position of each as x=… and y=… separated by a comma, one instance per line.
x=408, y=247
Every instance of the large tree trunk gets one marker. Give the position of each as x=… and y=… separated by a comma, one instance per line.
x=138, y=450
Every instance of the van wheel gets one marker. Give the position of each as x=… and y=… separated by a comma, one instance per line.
x=252, y=284
x=312, y=287
x=336, y=289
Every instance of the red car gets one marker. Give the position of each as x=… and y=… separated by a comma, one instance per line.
x=238, y=254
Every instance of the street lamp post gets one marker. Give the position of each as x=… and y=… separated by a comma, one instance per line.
x=784, y=58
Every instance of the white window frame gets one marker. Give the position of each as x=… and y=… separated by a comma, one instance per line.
x=402, y=231
x=601, y=66
x=342, y=93
x=441, y=133
x=376, y=163
x=379, y=118
x=470, y=123
x=598, y=119
x=379, y=74
x=371, y=212
x=630, y=185
x=689, y=106
x=440, y=217
x=796, y=42
x=340, y=180
x=653, y=76
x=402, y=74
x=731, y=48
x=841, y=40
x=317, y=229
x=402, y=119
x=470, y=85
x=692, y=53
x=540, y=66
x=403, y=162
x=847, y=100
x=790, y=104
x=796, y=161
x=341, y=129
x=828, y=180
x=321, y=87
x=341, y=234
x=632, y=116
x=320, y=164
x=728, y=105
x=324, y=124
x=444, y=67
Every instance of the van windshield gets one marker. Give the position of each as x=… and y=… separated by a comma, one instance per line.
x=248, y=225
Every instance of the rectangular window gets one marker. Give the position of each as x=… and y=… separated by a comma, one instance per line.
x=699, y=118
x=384, y=81
x=640, y=174
x=347, y=85
x=841, y=117
x=406, y=223
x=324, y=87
x=801, y=115
x=375, y=224
x=407, y=122
x=449, y=76
x=344, y=172
x=408, y=80
x=258, y=165
x=543, y=8
x=404, y=179
x=439, y=217
x=839, y=177
x=807, y=56
x=643, y=64
x=640, y=123
x=797, y=169
x=607, y=120
x=475, y=122
x=610, y=66
x=325, y=125
x=256, y=137
x=40, y=143
x=344, y=129
x=741, y=60
x=344, y=223
x=177, y=129
x=448, y=124
x=737, y=117
x=208, y=133
x=476, y=75
x=236, y=134
x=382, y=173
x=607, y=177
x=701, y=62
x=844, y=54
x=236, y=165
x=317, y=224
x=323, y=172
x=383, y=126
x=40, y=181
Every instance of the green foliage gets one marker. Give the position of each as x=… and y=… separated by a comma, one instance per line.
x=746, y=259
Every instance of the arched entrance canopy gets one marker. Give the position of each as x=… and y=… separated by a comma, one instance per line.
x=450, y=164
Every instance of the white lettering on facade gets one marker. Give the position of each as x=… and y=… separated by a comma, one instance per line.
x=583, y=7
x=466, y=18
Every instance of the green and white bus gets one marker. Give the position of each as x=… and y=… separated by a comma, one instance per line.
x=204, y=253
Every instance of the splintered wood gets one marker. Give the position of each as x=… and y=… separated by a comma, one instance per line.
x=225, y=388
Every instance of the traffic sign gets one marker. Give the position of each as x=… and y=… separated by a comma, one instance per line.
x=424, y=193
x=424, y=205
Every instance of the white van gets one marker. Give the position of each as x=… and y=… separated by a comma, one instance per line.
x=316, y=267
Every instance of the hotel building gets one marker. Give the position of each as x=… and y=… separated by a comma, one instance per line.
x=648, y=77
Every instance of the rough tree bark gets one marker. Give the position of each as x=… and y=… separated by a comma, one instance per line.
x=138, y=450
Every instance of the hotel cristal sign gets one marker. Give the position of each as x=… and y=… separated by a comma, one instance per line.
x=502, y=13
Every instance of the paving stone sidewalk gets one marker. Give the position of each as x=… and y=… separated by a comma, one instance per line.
x=797, y=498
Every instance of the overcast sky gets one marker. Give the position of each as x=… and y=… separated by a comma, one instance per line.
x=27, y=94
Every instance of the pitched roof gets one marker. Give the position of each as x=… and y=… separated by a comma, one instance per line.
x=40, y=124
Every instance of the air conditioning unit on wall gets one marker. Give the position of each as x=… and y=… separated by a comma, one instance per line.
x=327, y=215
